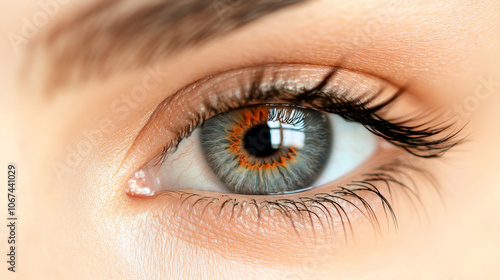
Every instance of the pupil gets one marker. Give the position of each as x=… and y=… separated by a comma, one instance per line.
x=258, y=141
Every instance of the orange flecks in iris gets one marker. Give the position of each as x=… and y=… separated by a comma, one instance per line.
x=283, y=161
x=252, y=117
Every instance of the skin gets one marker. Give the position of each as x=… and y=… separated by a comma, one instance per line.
x=83, y=225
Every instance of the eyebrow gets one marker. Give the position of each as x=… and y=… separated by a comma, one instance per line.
x=109, y=37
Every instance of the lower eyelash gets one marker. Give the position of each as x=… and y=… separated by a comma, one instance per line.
x=322, y=208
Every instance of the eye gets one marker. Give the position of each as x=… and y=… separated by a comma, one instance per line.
x=285, y=144
x=264, y=149
x=298, y=139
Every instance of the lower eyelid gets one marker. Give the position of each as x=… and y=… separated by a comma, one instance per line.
x=288, y=223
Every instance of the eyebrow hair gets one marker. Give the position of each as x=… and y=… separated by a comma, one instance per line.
x=106, y=38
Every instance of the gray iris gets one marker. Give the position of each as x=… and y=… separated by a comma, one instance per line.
x=267, y=149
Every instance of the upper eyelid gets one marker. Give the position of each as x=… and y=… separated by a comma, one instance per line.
x=434, y=148
x=159, y=110
x=140, y=36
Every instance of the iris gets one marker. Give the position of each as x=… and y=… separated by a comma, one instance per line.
x=267, y=149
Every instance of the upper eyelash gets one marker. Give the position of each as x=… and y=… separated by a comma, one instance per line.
x=415, y=139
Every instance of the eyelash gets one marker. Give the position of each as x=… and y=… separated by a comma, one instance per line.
x=390, y=174
x=417, y=140
x=414, y=139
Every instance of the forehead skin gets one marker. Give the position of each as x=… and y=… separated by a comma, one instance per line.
x=81, y=226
